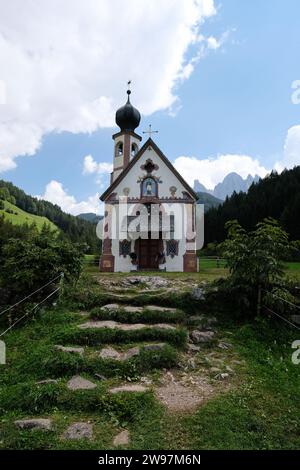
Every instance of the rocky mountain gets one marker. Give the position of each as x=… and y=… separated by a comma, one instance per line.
x=232, y=182
x=200, y=188
x=208, y=200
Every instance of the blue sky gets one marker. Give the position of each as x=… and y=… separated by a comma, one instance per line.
x=235, y=103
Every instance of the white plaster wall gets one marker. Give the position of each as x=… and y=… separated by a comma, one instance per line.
x=168, y=179
x=165, y=174
x=116, y=173
x=121, y=264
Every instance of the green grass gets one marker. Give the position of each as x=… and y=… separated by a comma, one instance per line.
x=260, y=410
x=20, y=217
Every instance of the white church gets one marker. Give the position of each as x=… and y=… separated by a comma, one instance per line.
x=150, y=210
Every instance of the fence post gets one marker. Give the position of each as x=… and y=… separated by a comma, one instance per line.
x=259, y=300
x=61, y=285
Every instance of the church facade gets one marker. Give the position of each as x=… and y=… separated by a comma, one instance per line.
x=150, y=210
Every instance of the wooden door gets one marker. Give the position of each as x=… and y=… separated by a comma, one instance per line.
x=148, y=251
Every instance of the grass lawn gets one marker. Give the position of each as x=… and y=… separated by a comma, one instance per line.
x=20, y=217
x=209, y=270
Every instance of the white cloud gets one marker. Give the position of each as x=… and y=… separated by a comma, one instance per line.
x=90, y=166
x=212, y=171
x=56, y=194
x=291, y=154
x=66, y=63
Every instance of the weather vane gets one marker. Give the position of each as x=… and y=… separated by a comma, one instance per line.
x=150, y=131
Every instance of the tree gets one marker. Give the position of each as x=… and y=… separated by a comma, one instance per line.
x=28, y=264
x=276, y=196
x=4, y=194
x=255, y=259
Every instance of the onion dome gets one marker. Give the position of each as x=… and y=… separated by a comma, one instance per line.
x=128, y=117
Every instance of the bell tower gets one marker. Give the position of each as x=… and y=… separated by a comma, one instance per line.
x=126, y=141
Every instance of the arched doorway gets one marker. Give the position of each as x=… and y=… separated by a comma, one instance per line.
x=148, y=251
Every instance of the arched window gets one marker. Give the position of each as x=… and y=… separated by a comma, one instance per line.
x=119, y=149
x=149, y=187
x=134, y=150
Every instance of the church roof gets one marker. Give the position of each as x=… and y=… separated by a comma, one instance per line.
x=148, y=143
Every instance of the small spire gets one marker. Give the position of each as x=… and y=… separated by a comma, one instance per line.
x=150, y=131
x=128, y=88
x=128, y=117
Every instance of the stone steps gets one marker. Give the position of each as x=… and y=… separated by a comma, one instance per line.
x=137, y=314
x=114, y=354
x=113, y=325
x=134, y=309
x=109, y=352
x=77, y=430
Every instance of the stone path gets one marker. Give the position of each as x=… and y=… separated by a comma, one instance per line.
x=176, y=397
x=182, y=389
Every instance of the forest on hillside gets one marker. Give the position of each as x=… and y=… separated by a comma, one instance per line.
x=276, y=196
x=75, y=229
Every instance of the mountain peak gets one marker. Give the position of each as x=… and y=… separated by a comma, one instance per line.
x=231, y=182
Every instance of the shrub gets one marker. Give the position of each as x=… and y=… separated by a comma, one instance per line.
x=27, y=265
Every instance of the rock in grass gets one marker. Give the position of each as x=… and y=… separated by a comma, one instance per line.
x=79, y=383
x=73, y=350
x=42, y=424
x=100, y=377
x=110, y=353
x=110, y=307
x=128, y=388
x=193, y=347
x=153, y=282
x=222, y=376
x=198, y=336
x=202, y=320
x=132, y=352
x=198, y=293
x=156, y=308
x=79, y=430
x=154, y=346
x=121, y=439
x=163, y=326
x=46, y=382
